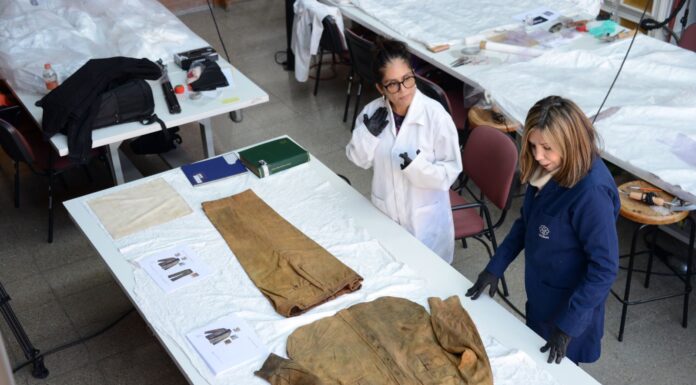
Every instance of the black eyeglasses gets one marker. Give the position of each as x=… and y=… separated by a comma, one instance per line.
x=395, y=86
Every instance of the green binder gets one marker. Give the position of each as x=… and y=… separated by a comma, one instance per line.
x=271, y=157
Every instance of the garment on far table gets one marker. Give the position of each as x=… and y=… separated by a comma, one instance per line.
x=389, y=341
x=307, y=28
x=291, y=270
x=72, y=107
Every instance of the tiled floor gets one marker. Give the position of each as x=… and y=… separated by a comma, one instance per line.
x=64, y=291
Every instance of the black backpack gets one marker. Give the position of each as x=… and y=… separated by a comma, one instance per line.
x=71, y=107
x=132, y=101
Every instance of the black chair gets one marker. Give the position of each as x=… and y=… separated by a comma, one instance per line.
x=450, y=93
x=361, y=59
x=30, y=148
x=331, y=42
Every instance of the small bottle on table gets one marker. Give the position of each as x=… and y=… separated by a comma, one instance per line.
x=50, y=77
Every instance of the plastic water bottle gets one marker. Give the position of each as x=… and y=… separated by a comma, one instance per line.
x=50, y=77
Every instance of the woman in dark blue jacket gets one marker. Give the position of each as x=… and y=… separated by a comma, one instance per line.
x=567, y=229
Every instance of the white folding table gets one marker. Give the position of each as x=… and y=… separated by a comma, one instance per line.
x=243, y=93
x=440, y=279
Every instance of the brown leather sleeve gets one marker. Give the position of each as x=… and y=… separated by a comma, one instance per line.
x=457, y=334
x=282, y=371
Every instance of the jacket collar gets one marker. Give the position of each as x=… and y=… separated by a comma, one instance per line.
x=540, y=177
x=416, y=111
x=415, y=115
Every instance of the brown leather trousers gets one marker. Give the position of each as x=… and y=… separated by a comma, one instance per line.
x=293, y=271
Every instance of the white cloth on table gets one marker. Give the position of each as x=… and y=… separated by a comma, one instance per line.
x=654, y=99
x=67, y=33
x=514, y=367
x=307, y=28
x=229, y=289
x=435, y=22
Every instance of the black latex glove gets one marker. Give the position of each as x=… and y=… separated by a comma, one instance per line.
x=557, y=345
x=407, y=159
x=484, y=279
x=377, y=122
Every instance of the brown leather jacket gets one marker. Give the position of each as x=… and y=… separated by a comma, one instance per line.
x=389, y=341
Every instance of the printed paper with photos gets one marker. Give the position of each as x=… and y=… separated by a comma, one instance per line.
x=175, y=268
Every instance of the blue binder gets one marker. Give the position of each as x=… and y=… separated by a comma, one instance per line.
x=212, y=169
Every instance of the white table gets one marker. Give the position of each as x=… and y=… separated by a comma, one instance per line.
x=441, y=279
x=243, y=93
x=442, y=59
x=467, y=74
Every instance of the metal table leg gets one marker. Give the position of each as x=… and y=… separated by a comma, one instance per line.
x=626, y=301
x=689, y=270
x=207, y=137
x=115, y=163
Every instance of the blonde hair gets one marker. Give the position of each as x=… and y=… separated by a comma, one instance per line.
x=561, y=123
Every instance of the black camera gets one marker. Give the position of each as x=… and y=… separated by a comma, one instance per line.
x=185, y=59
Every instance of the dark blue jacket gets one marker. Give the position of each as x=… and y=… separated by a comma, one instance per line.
x=571, y=257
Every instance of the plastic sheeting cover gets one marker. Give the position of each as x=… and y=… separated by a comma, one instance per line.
x=655, y=95
x=67, y=33
x=436, y=22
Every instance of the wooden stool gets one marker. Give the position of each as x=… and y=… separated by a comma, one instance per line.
x=647, y=218
x=479, y=116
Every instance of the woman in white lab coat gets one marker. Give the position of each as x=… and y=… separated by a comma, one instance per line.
x=411, y=143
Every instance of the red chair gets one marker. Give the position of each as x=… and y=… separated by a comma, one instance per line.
x=433, y=91
x=452, y=101
x=446, y=87
x=688, y=38
x=30, y=148
x=489, y=159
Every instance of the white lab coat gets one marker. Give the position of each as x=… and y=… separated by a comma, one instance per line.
x=306, y=32
x=418, y=197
